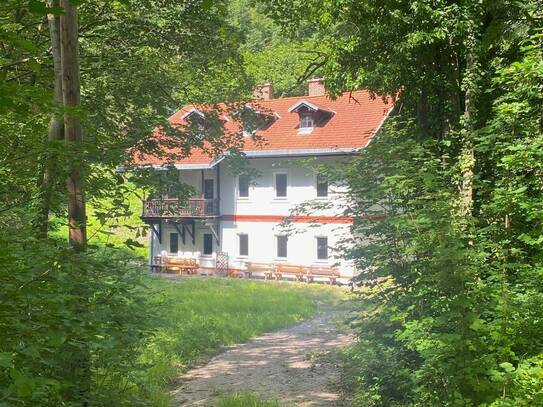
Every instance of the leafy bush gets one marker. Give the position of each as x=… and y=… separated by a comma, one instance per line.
x=71, y=324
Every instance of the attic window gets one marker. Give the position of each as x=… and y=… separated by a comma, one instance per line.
x=196, y=121
x=310, y=115
x=306, y=121
x=253, y=119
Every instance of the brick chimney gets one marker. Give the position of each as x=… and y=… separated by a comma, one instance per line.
x=315, y=87
x=264, y=92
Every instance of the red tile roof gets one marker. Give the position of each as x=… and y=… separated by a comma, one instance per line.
x=357, y=116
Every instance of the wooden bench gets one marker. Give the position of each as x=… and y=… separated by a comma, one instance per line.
x=322, y=271
x=178, y=265
x=296, y=271
x=265, y=268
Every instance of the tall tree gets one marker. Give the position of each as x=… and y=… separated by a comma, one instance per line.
x=447, y=269
x=69, y=62
x=55, y=132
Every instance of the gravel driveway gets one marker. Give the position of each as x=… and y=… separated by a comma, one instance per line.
x=290, y=365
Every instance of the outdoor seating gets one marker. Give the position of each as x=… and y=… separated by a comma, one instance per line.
x=322, y=271
x=267, y=269
x=177, y=265
x=296, y=271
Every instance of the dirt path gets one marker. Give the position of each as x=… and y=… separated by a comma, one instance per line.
x=288, y=365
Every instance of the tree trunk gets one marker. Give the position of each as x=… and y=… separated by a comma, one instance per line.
x=72, y=126
x=56, y=128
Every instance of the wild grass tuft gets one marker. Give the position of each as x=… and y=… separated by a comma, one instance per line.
x=246, y=400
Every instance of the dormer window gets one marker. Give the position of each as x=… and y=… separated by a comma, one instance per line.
x=196, y=121
x=310, y=115
x=306, y=121
x=253, y=119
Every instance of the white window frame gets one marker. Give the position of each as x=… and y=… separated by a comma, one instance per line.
x=243, y=198
x=303, y=116
x=275, y=174
x=242, y=256
x=317, y=189
x=277, y=247
x=316, y=249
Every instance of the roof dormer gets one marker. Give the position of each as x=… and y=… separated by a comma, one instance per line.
x=253, y=119
x=311, y=115
x=191, y=113
x=196, y=122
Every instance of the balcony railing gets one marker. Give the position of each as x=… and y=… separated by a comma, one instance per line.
x=172, y=208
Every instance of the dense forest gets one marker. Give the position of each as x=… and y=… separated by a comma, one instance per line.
x=452, y=249
x=447, y=200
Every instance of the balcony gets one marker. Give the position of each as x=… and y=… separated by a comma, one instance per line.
x=172, y=208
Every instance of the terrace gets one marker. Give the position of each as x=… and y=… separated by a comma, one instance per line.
x=173, y=208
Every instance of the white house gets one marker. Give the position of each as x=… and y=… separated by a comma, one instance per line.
x=238, y=216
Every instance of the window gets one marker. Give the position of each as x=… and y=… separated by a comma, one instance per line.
x=209, y=189
x=174, y=242
x=243, y=186
x=282, y=246
x=208, y=244
x=306, y=120
x=281, y=185
x=243, y=244
x=322, y=186
x=322, y=248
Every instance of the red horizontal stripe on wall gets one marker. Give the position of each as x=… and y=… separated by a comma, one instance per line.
x=295, y=219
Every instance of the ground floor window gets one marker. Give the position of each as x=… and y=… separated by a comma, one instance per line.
x=208, y=243
x=243, y=244
x=282, y=246
x=322, y=248
x=174, y=242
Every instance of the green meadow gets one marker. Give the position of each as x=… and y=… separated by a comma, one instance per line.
x=194, y=317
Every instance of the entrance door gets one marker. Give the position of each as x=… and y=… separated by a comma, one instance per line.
x=209, y=189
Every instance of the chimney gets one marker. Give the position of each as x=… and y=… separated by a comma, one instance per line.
x=315, y=87
x=264, y=92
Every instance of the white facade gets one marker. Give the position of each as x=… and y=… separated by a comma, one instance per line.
x=312, y=238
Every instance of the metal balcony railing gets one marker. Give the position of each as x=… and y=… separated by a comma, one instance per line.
x=173, y=208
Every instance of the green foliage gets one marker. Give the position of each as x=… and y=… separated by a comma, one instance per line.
x=56, y=307
x=196, y=316
x=451, y=315
x=272, y=55
x=447, y=200
x=139, y=332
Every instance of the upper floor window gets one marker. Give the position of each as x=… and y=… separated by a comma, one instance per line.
x=243, y=244
x=322, y=248
x=322, y=186
x=243, y=186
x=281, y=185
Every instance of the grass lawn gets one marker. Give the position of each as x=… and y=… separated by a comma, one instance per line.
x=199, y=315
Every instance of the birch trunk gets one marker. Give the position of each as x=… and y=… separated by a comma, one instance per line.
x=56, y=127
x=72, y=126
